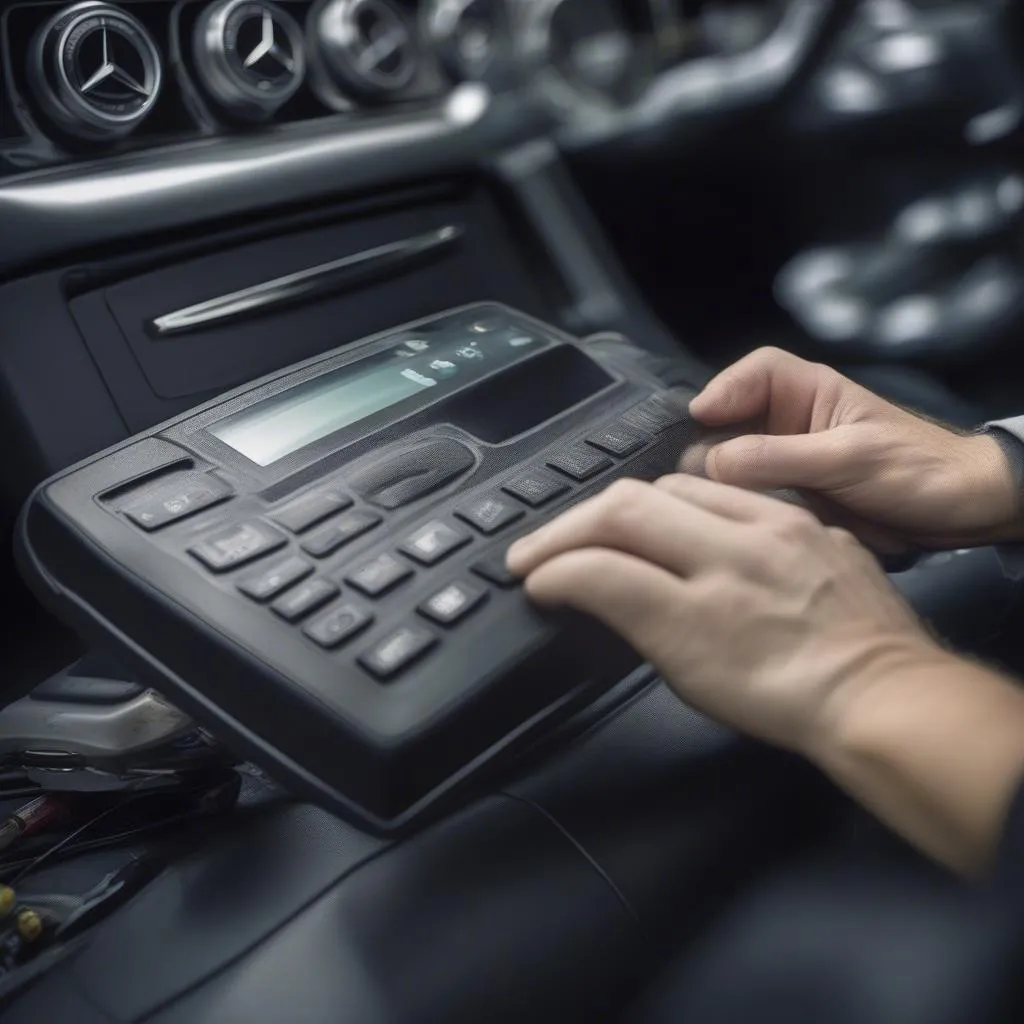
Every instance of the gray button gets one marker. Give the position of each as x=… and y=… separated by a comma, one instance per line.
x=303, y=600
x=434, y=542
x=380, y=575
x=333, y=628
x=237, y=545
x=397, y=651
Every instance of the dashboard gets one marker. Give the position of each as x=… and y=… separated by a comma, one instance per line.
x=98, y=77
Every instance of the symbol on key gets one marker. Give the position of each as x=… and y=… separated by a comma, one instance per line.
x=449, y=602
x=175, y=506
x=428, y=543
x=489, y=512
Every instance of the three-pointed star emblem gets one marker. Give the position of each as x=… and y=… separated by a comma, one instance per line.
x=109, y=70
x=268, y=46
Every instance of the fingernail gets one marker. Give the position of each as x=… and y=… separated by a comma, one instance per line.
x=518, y=550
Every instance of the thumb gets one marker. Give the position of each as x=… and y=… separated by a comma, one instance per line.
x=812, y=461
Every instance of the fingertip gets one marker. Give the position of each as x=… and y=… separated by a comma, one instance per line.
x=518, y=556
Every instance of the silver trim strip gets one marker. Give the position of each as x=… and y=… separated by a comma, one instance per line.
x=304, y=285
x=49, y=214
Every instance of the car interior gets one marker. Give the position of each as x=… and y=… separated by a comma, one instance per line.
x=308, y=308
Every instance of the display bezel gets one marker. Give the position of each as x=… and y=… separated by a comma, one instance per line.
x=200, y=439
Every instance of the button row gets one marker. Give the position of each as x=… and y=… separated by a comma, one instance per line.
x=404, y=645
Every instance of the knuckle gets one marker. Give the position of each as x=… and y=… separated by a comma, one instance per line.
x=622, y=505
x=795, y=524
x=843, y=537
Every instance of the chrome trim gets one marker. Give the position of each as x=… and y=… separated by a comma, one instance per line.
x=305, y=285
x=715, y=83
x=51, y=214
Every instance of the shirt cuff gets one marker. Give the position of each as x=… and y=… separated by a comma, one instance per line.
x=1009, y=435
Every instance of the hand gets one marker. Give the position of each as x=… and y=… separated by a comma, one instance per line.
x=892, y=478
x=755, y=612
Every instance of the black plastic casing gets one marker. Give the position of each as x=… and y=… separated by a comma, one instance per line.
x=384, y=754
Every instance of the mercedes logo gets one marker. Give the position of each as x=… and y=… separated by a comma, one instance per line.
x=108, y=68
x=95, y=70
x=250, y=56
x=270, y=57
x=367, y=45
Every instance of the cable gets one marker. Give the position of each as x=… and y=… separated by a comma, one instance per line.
x=111, y=840
x=57, y=847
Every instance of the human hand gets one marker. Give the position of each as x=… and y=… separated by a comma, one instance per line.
x=755, y=612
x=890, y=477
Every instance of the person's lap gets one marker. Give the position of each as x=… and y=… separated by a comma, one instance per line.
x=865, y=932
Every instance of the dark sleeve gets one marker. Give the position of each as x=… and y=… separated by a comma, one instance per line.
x=1009, y=435
x=1008, y=875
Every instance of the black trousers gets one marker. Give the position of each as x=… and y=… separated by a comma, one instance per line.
x=861, y=932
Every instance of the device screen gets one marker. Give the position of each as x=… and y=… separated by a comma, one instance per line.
x=425, y=366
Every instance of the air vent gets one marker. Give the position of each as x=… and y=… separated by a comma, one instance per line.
x=51, y=52
x=89, y=77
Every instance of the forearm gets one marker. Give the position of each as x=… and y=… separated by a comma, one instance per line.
x=935, y=748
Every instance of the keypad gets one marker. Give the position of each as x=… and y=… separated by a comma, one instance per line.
x=238, y=544
x=304, y=599
x=490, y=513
x=579, y=461
x=302, y=513
x=434, y=542
x=270, y=582
x=397, y=651
x=536, y=487
x=340, y=532
x=338, y=625
x=453, y=603
x=324, y=521
x=379, y=576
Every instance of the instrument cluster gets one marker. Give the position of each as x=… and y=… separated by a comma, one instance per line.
x=98, y=73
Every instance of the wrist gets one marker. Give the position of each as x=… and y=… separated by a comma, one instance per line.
x=848, y=717
x=987, y=477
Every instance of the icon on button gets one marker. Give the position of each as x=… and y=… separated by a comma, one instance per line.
x=443, y=367
x=175, y=506
x=469, y=352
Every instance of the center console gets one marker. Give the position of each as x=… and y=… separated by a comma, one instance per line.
x=313, y=565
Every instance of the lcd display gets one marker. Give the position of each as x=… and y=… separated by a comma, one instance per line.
x=419, y=367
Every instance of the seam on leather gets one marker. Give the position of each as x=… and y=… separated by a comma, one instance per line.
x=588, y=857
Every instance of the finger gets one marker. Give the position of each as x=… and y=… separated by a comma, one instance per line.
x=720, y=499
x=769, y=384
x=637, y=600
x=635, y=518
x=820, y=461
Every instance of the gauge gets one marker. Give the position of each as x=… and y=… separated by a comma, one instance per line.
x=469, y=36
x=364, y=47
